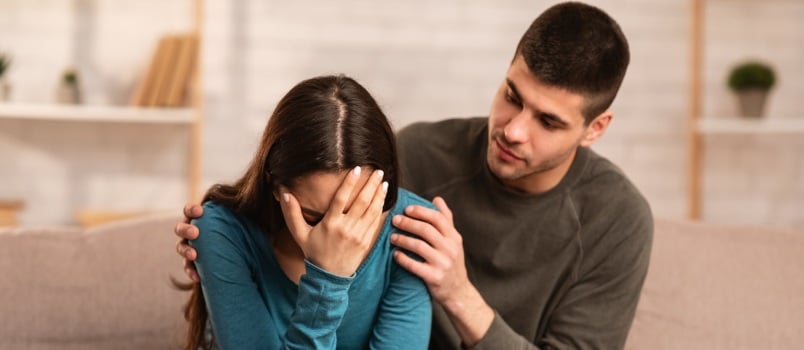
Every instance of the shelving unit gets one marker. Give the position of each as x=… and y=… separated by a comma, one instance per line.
x=190, y=117
x=699, y=126
x=99, y=114
x=764, y=126
x=695, y=106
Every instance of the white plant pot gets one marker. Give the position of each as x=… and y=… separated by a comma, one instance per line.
x=68, y=93
x=5, y=90
x=752, y=102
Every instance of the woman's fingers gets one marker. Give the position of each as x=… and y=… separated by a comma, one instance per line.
x=341, y=199
x=294, y=219
x=364, y=199
x=373, y=215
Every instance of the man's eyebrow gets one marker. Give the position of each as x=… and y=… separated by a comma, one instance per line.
x=555, y=119
x=311, y=212
x=513, y=89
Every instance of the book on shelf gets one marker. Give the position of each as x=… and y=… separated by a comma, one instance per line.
x=165, y=81
x=8, y=212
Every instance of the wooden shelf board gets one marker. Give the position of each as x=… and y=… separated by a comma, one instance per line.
x=96, y=113
x=739, y=125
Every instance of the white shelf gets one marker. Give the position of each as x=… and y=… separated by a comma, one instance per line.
x=96, y=113
x=742, y=125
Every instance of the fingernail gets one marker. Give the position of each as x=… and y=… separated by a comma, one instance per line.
x=357, y=170
x=285, y=197
x=396, y=219
x=385, y=186
x=380, y=173
x=393, y=237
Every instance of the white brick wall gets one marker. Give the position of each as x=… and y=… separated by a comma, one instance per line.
x=422, y=60
x=754, y=178
x=60, y=167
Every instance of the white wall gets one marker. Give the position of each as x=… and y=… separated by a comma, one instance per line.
x=60, y=167
x=422, y=60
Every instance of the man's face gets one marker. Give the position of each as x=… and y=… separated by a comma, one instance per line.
x=534, y=130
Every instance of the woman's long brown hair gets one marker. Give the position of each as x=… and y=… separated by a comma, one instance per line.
x=327, y=123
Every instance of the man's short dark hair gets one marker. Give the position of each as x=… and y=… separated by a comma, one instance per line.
x=579, y=48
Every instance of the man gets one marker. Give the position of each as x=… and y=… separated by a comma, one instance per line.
x=544, y=243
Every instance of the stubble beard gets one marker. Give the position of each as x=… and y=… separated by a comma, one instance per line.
x=496, y=165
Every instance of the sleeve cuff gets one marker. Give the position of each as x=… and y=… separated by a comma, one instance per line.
x=498, y=333
x=319, y=273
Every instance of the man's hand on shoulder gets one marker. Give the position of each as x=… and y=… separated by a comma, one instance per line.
x=444, y=268
x=187, y=231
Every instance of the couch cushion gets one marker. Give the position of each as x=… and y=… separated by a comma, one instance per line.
x=103, y=288
x=722, y=287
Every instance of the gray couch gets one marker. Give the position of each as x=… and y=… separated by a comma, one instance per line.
x=722, y=287
x=709, y=287
x=103, y=288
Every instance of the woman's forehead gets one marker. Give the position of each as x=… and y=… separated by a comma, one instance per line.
x=315, y=191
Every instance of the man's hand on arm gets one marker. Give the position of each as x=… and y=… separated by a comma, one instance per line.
x=443, y=268
x=187, y=231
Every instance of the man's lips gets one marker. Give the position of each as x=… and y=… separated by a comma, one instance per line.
x=506, y=153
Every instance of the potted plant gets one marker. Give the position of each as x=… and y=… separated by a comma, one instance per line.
x=68, y=91
x=5, y=89
x=751, y=81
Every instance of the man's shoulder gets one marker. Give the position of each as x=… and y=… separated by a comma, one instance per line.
x=606, y=188
x=443, y=142
x=612, y=212
x=602, y=172
x=432, y=153
x=438, y=130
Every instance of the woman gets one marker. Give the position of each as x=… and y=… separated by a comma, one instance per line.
x=295, y=254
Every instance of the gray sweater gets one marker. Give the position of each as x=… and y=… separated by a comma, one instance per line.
x=562, y=269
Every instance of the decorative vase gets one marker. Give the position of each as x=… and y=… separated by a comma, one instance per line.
x=752, y=102
x=5, y=90
x=68, y=93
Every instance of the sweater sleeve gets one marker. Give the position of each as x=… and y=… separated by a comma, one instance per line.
x=405, y=314
x=597, y=312
x=239, y=316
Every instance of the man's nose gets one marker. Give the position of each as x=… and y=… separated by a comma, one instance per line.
x=516, y=131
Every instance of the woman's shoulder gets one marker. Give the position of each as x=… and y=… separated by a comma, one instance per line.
x=220, y=222
x=215, y=213
x=406, y=198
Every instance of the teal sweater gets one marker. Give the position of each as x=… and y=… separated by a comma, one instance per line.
x=253, y=305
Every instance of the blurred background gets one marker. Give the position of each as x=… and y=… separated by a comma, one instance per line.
x=93, y=150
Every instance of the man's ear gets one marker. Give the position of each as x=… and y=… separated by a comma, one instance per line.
x=596, y=128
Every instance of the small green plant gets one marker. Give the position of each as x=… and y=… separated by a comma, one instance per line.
x=751, y=75
x=5, y=61
x=70, y=77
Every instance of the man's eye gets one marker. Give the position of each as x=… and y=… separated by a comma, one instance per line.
x=511, y=99
x=548, y=125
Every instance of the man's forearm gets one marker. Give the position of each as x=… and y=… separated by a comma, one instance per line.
x=470, y=314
